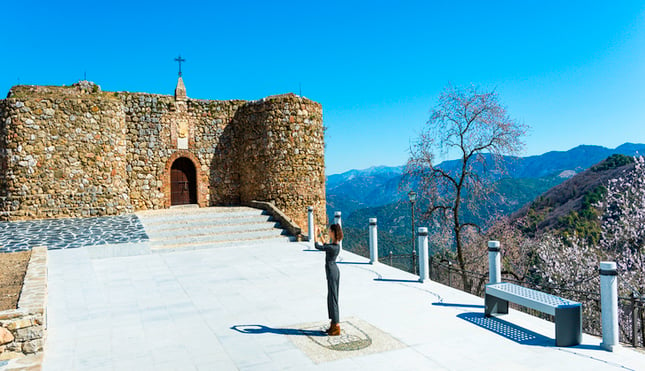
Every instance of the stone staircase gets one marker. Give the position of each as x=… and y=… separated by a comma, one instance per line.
x=191, y=227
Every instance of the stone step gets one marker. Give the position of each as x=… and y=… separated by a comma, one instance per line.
x=189, y=215
x=214, y=237
x=207, y=222
x=204, y=229
x=192, y=227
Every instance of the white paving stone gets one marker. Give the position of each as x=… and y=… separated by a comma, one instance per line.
x=177, y=310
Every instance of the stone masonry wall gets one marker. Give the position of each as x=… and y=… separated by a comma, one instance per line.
x=63, y=156
x=77, y=151
x=152, y=134
x=283, y=152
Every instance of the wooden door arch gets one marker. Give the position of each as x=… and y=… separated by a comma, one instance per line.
x=183, y=182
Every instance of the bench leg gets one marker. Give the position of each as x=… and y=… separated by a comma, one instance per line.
x=568, y=326
x=495, y=305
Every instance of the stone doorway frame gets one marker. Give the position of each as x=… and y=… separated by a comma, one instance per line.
x=201, y=179
x=183, y=182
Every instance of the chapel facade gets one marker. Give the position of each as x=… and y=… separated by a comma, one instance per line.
x=76, y=151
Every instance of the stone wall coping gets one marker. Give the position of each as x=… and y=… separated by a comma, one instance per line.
x=33, y=298
x=34, y=92
x=281, y=217
x=31, y=313
x=285, y=97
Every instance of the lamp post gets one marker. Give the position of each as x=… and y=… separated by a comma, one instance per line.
x=412, y=196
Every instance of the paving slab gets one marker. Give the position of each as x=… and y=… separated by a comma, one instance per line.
x=253, y=306
x=64, y=233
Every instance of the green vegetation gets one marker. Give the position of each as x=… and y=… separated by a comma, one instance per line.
x=613, y=162
x=573, y=208
x=585, y=222
x=533, y=218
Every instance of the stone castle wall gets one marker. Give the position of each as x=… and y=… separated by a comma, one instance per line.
x=77, y=151
x=63, y=157
x=283, y=141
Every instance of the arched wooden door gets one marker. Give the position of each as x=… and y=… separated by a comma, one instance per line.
x=183, y=182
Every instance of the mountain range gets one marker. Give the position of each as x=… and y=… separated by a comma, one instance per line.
x=375, y=192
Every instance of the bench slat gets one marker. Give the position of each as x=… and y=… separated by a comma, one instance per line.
x=528, y=297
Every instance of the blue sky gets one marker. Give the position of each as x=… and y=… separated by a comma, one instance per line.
x=573, y=71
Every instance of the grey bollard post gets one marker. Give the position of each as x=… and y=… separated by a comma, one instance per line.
x=373, y=241
x=609, y=305
x=312, y=228
x=494, y=262
x=424, y=270
x=338, y=221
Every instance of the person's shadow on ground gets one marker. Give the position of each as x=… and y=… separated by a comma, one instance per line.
x=260, y=329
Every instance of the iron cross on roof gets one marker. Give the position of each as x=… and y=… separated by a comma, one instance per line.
x=180, y=59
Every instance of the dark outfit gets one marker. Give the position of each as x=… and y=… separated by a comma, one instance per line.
x=333, y=277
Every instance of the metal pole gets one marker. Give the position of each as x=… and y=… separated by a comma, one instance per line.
x=414, y=262
x=423, y=254
x=640, y=304
x=373, y=241
x=337, y=220
x=609, y=305
x=312, y=228
x=414, y=248
x=634, y=320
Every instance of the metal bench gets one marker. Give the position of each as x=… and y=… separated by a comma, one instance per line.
x=568, y=313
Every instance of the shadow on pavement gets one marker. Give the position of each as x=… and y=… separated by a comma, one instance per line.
x=358, y=263
x=260, y=329
x=392, y=280
x=458, y=305
x=508, y=330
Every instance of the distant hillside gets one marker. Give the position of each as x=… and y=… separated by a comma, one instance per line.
x=374, y=192
x=378, y=186
x=357, y=189
x=395, y=219
x=569, y=207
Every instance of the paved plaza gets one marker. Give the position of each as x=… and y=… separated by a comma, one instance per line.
x=261, y=306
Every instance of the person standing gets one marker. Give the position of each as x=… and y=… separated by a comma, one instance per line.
x=333, y=276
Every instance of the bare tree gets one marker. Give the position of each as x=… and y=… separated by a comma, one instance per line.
x=474, y=126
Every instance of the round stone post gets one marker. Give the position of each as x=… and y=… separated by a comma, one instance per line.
x=494, y=262
x=609, y=305
x=338, y=221
x=373, y=242
x=423, y=254
x=312, y=229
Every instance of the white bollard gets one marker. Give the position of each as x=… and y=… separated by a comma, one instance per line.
x=373, y=241
x=338, y=221
x=312, y=228
x=424, y=271
x=494, y=262
x=609, y=305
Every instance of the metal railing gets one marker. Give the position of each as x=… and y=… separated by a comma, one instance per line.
x=631, y=309
x=404, y=262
